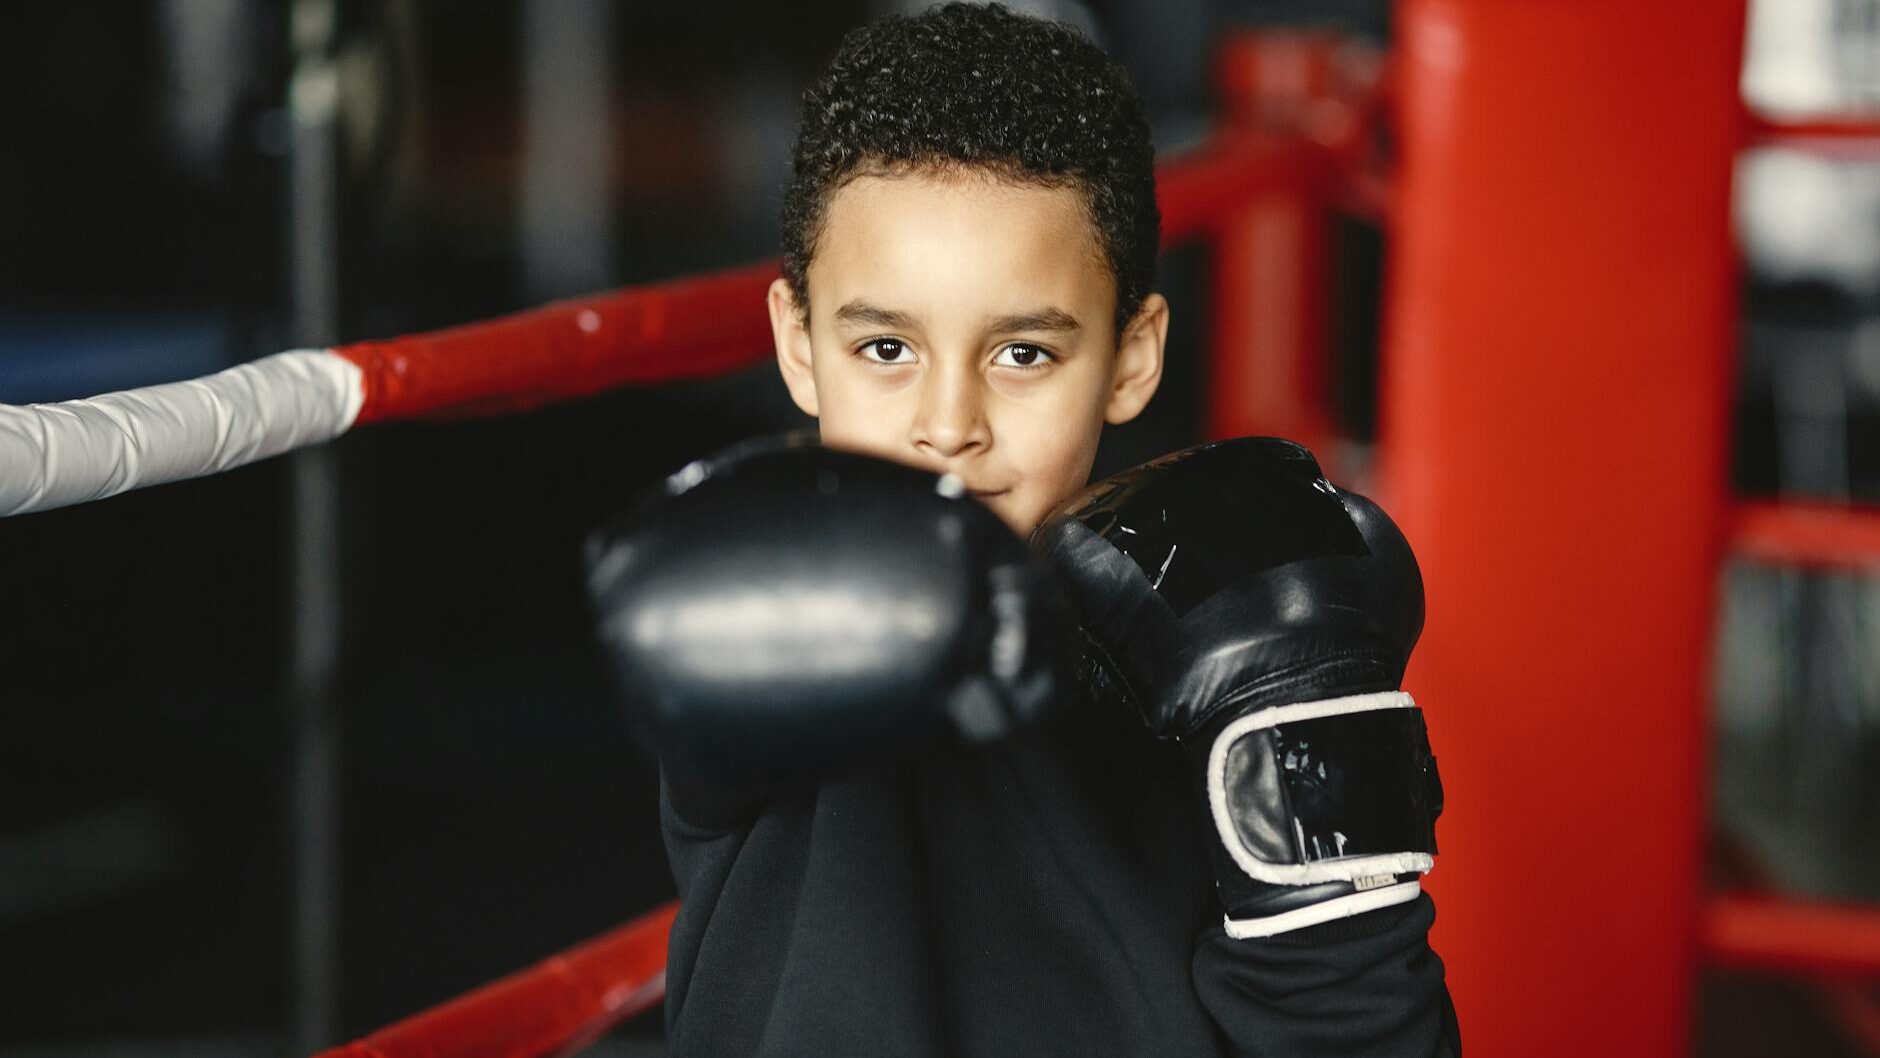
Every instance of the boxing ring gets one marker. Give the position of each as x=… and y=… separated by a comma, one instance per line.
x=1555, y=394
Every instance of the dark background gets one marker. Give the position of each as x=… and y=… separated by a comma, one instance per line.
x=494, y=806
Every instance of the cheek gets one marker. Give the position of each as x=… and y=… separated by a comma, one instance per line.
x=1053, y=453
x=1051, y=449
x=859, y=417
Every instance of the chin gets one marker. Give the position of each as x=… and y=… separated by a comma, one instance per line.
x=1020, y=521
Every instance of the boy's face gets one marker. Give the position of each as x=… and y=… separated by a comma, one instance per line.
x=964, y=324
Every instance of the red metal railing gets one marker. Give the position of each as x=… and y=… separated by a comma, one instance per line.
x=1819, y=535
x=1856, y=130
x=1835, y=946
x=554, y=1008
x=708, y=325
x=1744, y=931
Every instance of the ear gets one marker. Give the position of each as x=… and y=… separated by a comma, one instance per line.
x=1138, y=368
x=791, y=333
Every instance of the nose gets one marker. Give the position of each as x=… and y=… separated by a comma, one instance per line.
x=951, y=420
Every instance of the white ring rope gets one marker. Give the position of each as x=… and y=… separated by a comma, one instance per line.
x=52, y=455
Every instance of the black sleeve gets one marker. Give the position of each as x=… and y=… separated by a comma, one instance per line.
x=1363, y=987
x=706, y=805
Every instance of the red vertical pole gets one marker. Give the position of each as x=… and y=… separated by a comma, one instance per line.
x=1559, y=348
x=1267, y=368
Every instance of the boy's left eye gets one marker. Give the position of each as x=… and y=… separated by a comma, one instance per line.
x=1020, y=354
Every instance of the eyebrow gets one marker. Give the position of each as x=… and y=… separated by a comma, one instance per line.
x=875, y=316
x=1043, y=319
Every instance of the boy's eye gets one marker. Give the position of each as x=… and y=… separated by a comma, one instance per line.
x=886, y=351
x=1019, y=354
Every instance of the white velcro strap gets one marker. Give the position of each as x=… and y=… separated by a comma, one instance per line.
x=1343, y=869
x=52, y=455
x=1324, y=911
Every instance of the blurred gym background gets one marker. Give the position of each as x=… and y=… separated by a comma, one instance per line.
x=296, y=750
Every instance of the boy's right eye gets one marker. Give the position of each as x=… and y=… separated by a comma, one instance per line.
x=886, y=351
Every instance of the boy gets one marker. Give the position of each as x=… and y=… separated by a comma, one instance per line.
x=970, y=246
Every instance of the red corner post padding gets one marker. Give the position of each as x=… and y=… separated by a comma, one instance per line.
x=1555, y=405
x=551, y=1008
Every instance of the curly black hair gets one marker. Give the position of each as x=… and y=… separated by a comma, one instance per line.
x=976, y=86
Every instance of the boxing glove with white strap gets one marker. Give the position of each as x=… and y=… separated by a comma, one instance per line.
x=1245, y=606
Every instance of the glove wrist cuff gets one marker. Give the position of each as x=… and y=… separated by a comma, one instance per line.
x=1336, y=790
x=1247, y=927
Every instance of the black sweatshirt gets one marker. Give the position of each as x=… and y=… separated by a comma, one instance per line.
x=1048, y=895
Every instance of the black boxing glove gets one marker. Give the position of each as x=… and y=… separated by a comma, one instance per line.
x=783, y=611
x=1248, y=608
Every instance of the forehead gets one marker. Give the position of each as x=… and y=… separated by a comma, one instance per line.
x=959, y=239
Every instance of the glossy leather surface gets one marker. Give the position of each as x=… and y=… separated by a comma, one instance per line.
x=1228, y=579
x=1233, y=575
x=1363, y=784
x=785, y=611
